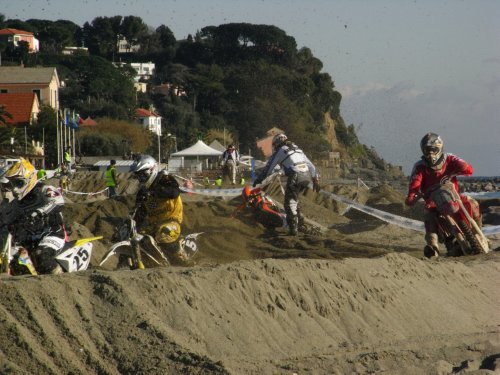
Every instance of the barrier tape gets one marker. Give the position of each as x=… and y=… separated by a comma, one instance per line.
x=484, y=195
x=400, y=221
x=83, y=193
x=213, y=192
x=387, y=217
x=382, y=215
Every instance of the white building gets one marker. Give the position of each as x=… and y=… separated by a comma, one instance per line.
x=150, y=120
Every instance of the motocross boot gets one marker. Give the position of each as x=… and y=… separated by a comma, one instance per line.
x=57, y=270
x=301, y=223
x=177, y=255
x=431, y=250
x=293, y=225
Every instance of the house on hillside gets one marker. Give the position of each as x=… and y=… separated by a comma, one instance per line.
x=149, y=119
x=266, y=143
x=124, y=46
x=44, y=82
x=75, y=50
x=14, y=36
x=22, y=106
x=166, y=89
x=144, y=70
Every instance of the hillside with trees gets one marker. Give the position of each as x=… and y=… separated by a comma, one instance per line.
x=241, y=78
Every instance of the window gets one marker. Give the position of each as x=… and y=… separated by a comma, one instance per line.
x=4, y=91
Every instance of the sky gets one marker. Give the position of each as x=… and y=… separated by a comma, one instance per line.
x=404, y=68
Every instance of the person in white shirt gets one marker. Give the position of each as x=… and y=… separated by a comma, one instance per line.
x=230, y=161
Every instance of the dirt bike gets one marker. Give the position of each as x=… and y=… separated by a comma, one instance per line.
x=269, y=213
x=71, y=255
x=266, y=210
x=141, y=250
x=457, y=228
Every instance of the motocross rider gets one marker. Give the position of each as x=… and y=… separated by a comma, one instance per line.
x=300, y=173
x=159, y=207
x=434, y=168
x=33, y=212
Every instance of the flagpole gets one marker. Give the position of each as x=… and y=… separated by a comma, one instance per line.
x=57, y=136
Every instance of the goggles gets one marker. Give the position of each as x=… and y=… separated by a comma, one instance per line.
x=429, y=150
x=143, y=175
x=17, y=183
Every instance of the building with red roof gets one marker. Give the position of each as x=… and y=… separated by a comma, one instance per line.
x=150, y=119
x=266, y=143
x=22, y=106
x=14, y=36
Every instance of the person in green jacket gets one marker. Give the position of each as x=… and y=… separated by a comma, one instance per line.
x=41, y=174
x=67, y=158
x=218, y=181
x=111, y=181
x=206, y=182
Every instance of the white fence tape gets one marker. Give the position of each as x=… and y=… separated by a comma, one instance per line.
x=400, y=221
x=484, y=195
x=403, y=222
x=214, y=192
x=83, y=193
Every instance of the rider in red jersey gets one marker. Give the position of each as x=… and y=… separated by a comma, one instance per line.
x=433, y=169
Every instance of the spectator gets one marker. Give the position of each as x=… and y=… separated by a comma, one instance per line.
x=67, y=158
x=230, y=162
x=111, y=181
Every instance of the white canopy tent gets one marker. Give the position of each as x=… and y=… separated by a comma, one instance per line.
x=197, y=157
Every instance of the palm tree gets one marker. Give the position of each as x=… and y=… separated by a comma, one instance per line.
x=6, y=133
x=224, y=136
x=4, y=115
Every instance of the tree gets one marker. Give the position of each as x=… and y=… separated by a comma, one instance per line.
x=95, y=87
x=4, y=115
x=45, y=129
x=108, y=138
x=133, y=28
x=55, y=35
x=101, y=36
x=224, y=136
x=166, y=36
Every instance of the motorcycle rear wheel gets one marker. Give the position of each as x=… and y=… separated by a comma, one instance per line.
x=475, y=246
x=453, y=248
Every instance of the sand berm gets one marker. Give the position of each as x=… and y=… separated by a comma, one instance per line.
x=358, y=299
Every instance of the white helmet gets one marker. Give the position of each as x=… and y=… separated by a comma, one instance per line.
x=279, y=140
x=145, y=169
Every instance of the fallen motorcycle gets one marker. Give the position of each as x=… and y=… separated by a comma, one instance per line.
x=269, y=213
x=139, y=251
x=457, y=228
x=265, y=209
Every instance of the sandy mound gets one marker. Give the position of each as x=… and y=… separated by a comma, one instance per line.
x=357, y=299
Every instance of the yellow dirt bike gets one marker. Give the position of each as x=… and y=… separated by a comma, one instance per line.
x=141, y=250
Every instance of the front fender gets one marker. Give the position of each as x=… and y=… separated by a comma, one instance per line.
x=122, y=247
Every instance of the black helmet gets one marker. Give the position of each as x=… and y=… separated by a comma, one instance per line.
x=432, y=150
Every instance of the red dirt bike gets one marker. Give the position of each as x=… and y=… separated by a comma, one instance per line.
x=457, y=221
x=266, y=210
